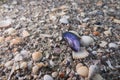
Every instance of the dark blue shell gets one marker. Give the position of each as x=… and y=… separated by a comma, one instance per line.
x=73, y=40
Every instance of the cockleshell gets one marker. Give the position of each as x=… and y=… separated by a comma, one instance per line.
x=73, y=40
x=83, y=71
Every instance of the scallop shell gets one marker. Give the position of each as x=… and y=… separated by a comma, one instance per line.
x=81, y=54
x=83, y=71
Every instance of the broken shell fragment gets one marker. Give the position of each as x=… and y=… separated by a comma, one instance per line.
x=113, y=45
x=83, y=71
x=73, y=40
x=5, y=23
x=81, y=54
x=79, y=65
x=93, y=69
x=86, y=40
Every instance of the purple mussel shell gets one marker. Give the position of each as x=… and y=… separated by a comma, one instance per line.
x=73, y=40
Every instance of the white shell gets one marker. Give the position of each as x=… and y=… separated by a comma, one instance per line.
x=92, y=71
x=81, y=54
x=64, y=20
x=5, y=23
x=18, y=57
x=48, y=77
x=113, y=45
x=86, y=40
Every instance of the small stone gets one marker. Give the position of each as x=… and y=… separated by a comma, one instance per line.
x=5, y=23
x=35, y=69
x=113, y=45
x=16, y=41
x=85, y=20
x=54, y=74
x=36, y=56
x=83, y=71
x=48, y=77
x=64, y=20
x=25, y=34
x=1, y=39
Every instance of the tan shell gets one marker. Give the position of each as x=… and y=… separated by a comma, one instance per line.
x=79, y=65
x=81, y=54
x=15, y=41
x=36, y=56
x=35, y=69
x=41, y=64
x=1, y=39
x=23, y=65
x=83, y=71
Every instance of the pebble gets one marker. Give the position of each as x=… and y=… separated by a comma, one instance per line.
x=54, y=74
x=36, y=56
x=25, y=34
x=5, y=23
x=86, y=19
x=83, y=71
x=113, y=45
x=86, y=40
x=1, y=39
x=64, y=20
x=48, y=77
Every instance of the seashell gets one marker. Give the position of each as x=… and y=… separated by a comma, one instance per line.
x=18, y=57
x=41, y=64
x=5, y=23
x=36, y=56
x=79, y=65
x=23, y=65
x=83, y=71
x=1, y=39
x=73, y=40
x=79, y=55
x=98, y=77
x=11, y=31
x=9, y=64
x=64, y=20
x=86, y=40
x=54, y=74
x=25, y=34
x=48, y=77
x=16, y=41
x=92, y=71
x=35, y=69
x=113, y=45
